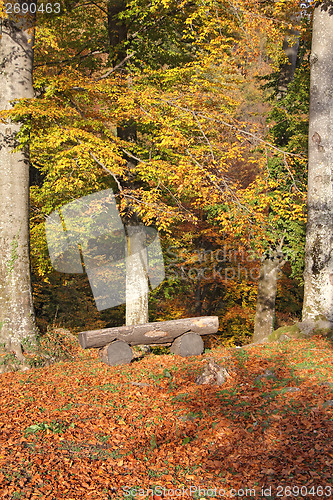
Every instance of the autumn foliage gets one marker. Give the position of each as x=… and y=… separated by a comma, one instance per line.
x=80, y=429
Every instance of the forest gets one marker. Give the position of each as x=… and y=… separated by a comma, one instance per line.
x=166, y=161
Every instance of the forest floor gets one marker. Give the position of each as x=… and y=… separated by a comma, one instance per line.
x=83, y=430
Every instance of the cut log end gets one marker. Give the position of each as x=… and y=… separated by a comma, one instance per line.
x=189, y=344
x=116, y=353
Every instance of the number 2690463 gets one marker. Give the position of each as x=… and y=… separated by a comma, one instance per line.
x=32, y=8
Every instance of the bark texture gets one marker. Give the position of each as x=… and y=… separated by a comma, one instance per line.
x=16, y=308
x=318, y=275
x=159, y=332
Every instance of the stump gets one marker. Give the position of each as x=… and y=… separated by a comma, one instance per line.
x=116, y=353
x=189, y=344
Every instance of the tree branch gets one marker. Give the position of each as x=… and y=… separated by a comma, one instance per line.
x=108, y=73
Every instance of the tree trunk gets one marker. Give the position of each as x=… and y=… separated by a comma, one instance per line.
x=17, y=321
x=287, y=70
x=267, y=287
x=270, y=267
x=136, y=261
x=117, y=30
x=136, y=276
x=318, y=275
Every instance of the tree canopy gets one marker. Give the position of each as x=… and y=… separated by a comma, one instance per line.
x=165, y=102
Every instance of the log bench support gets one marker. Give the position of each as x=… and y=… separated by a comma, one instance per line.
x=116, y=353
x=185, y=335
x=189, y=344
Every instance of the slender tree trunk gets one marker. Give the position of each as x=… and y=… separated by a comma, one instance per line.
x=136, y=262
x=265, y=312
x=17, y=320
x=136, y=276
x=117, y=30
x=318, y=275
x=287, y=70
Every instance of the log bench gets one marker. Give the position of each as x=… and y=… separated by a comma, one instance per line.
x=185, y=335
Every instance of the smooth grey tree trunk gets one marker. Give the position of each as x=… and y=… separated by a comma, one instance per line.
x=318, y=275
x=136, y=276
x=17, y=320
x=265, y=311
